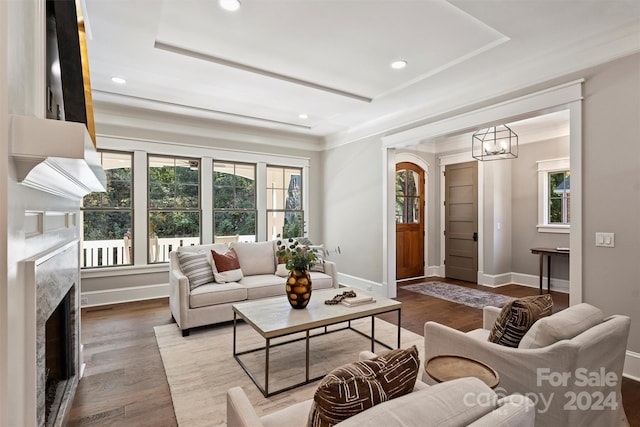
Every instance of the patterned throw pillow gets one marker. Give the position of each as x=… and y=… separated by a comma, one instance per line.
x=227, y=266
x=517, y=317
x=358, y=386
x=319, y=264
x=196, y=267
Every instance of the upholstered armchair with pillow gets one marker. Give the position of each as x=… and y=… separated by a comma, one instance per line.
x=344, y=398
x=569, y=363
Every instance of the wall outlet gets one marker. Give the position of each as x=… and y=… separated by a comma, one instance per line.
x=84, y=301
x=606, y=240
x=369, y=288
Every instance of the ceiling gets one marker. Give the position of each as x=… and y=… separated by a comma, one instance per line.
x=273, y=60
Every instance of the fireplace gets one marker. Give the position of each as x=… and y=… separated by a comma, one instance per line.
x=56, y=277
x=58, y=357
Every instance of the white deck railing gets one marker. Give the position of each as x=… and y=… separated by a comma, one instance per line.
x=102, y=253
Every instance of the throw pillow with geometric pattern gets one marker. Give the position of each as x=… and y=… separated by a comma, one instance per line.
x=517, y=316
x=353, y=388
x=196, y=267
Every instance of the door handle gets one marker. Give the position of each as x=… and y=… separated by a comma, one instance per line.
x=475, y=236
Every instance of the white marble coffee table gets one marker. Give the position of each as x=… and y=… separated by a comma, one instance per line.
x=274, y=318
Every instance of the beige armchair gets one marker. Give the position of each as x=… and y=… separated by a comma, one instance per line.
x=573, y=382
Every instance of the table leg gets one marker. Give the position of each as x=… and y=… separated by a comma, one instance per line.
x=373, y=333
x=399, y=328
x=234, y=332
x=307, y=356
x=541, y=271
x=266, y=364
x=548, y=273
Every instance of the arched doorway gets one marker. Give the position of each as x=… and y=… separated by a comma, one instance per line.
x=410, y=220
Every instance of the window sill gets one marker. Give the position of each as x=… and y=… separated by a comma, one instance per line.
x=547, y=228
x=124, y=270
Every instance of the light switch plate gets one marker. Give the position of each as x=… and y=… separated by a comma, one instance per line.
x=606, y=240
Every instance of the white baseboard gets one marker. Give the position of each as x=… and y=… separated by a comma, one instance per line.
x=494, y=280
x=120, y=295
x=359, y=283
x=558, y=285
x=632, y=365
x=434, y=270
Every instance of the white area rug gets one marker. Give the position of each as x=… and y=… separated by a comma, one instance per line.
x=200, y=368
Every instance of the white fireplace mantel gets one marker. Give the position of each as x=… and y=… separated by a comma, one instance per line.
x=55, y=156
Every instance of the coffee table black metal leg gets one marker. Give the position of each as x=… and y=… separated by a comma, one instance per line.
x=307, y=358
x=373, y=333
x=266, y=364
x=399, y=328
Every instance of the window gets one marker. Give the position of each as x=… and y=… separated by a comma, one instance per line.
x=234, y=201
x=173, y=205
x=107, y=217
x=407, y=195
x=554, y=194
x=285, y=216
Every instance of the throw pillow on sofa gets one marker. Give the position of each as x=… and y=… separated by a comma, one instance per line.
x=227, y=266
x=353, y=388
x=319, y=264
x=564, y=325
x=517, y=316
x=255, y=257
x=196, y=267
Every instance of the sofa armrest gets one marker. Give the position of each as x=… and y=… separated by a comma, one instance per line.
x=178, y=292
x=512, y=410
x=489, y=316
x=331, y=269
x=240, y=412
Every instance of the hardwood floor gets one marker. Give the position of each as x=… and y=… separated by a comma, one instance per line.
x=125, y=383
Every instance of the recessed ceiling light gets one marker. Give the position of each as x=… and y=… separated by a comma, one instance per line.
x=118, y=80
x=398, y=65
x=303, y=116
x=230, y=5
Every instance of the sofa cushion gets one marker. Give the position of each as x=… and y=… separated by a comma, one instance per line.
x=517, y=316
x=563, y=325
x=227, y=266
x=263, y=286
x=255, y=257
x=450, y=404
x=358, y=386
x=196, y=267
x=217, y=293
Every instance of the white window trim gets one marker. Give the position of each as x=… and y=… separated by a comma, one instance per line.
x=544, y=167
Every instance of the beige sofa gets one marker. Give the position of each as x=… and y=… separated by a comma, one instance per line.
x=462, y=402
x=569, y=363
x=211, y=303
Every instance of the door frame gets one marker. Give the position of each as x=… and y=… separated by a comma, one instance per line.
x=566, y=96
x=424, y=165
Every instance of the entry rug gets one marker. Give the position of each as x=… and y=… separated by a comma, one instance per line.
x=200, y=368
x=459, y=294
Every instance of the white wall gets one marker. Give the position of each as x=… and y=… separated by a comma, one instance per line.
x=611, y=162
x=352, y=209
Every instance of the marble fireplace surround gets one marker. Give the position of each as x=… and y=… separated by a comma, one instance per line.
x=49, y=277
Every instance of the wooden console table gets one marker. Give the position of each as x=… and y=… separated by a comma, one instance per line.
x=548, y=252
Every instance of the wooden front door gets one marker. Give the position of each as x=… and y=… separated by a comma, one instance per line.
x=409, y=221
x=461, y=221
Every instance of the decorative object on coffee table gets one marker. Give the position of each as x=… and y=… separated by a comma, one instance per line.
x=299, y=288
x=298, y=259
x=449, y=367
